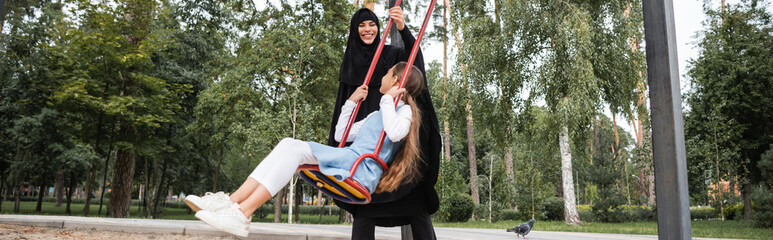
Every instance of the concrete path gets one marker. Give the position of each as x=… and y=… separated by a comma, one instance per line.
x=278, y=230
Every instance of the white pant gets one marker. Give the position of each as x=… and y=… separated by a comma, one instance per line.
x=276, y=170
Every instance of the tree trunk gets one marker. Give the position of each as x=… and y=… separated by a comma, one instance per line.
x=70, y=189
x=747, y=202
x=446, y=128
x=144, y=189
x=471, y=154
x=104, y=177
x=16, y=194
x=570, y=207
x=2, y=15
x=2, y=187
x=159, y=189
x=369, y=4
x=297, y=201
x=509, y=163
x=321, y=201
x=278, y=206
x=120, y=198
x=59, y=188
x=89, y=186
x=39, y=206
x=217, y=169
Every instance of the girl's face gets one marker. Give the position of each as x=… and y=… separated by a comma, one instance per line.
x=368, y=31
x=389, y=81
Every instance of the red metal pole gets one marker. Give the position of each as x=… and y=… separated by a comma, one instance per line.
x=408, y=67
x=367, y=78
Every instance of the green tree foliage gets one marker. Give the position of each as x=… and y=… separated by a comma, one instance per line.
x=731, y=101
x=606, y=171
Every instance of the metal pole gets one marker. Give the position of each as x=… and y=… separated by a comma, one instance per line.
x=667, y=126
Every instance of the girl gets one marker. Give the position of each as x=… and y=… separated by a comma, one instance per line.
x=231, y=214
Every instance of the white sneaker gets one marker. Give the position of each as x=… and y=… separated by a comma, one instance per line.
x=230, y=220
x=210, y=201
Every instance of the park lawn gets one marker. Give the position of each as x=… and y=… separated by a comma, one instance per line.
x=700, y=228
x=48, y=208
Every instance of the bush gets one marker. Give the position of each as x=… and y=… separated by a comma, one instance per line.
x=703, y=213
x=482, y=211
x=734, y=212
x=645, y=213
x=763, y=207
x=508, y=214
x=553, y=208
x=586, y=215
x=457, y=208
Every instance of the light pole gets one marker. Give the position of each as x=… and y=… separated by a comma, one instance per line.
x=668, y=148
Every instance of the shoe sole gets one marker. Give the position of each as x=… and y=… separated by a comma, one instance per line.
x=214, y=223
x=192, y=205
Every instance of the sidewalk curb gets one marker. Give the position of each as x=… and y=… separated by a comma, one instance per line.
x=181, y=227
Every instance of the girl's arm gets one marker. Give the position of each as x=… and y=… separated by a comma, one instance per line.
x=343, y=119
x=397, y=123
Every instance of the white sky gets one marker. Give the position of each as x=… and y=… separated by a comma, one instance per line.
x=688, y=17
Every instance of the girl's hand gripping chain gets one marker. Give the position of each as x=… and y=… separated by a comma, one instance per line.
x=394, y=92
x=359, y=94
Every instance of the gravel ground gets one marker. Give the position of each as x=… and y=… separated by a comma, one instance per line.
x=8, y=231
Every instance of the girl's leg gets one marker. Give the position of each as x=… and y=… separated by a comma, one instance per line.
x=245, y=190
x=255, y=200
x=273, y=173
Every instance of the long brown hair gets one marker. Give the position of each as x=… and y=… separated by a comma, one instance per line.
x=404, y=167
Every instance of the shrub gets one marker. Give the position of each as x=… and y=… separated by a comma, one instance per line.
x=481, y=212
x=734, y=212
x=553, y=208
x=508, y=214
x=704, y=213
x=586, y=215
x=645, y=213
x=525, y=213
x=457, y=208
x=763, y=207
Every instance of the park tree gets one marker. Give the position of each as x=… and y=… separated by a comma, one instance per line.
x=607, y=170
x=583, y=59
x=30, y=121
x=734, y=98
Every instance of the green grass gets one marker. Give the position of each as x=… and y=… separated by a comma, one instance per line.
x=48, y=208
x=702, y=228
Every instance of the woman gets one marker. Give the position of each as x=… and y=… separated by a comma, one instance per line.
x=413, y=202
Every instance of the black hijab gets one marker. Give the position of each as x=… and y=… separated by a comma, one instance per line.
x=358, y=55
x=411, y=198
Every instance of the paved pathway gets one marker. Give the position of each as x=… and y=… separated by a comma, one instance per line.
x=278, y=230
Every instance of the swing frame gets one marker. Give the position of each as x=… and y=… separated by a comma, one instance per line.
x=349, y=190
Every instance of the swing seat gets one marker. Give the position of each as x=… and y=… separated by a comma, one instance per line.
x=348, y=190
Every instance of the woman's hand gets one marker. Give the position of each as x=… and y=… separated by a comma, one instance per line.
x=359, y=94
x=394, y=91
x=397, y=15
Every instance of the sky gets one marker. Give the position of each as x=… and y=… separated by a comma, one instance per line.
x=688, y=18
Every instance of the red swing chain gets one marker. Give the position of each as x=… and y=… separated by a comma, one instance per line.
x=406, y=73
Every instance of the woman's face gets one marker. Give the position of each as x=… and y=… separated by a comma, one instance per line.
x=368, y=31
x=388, y=81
